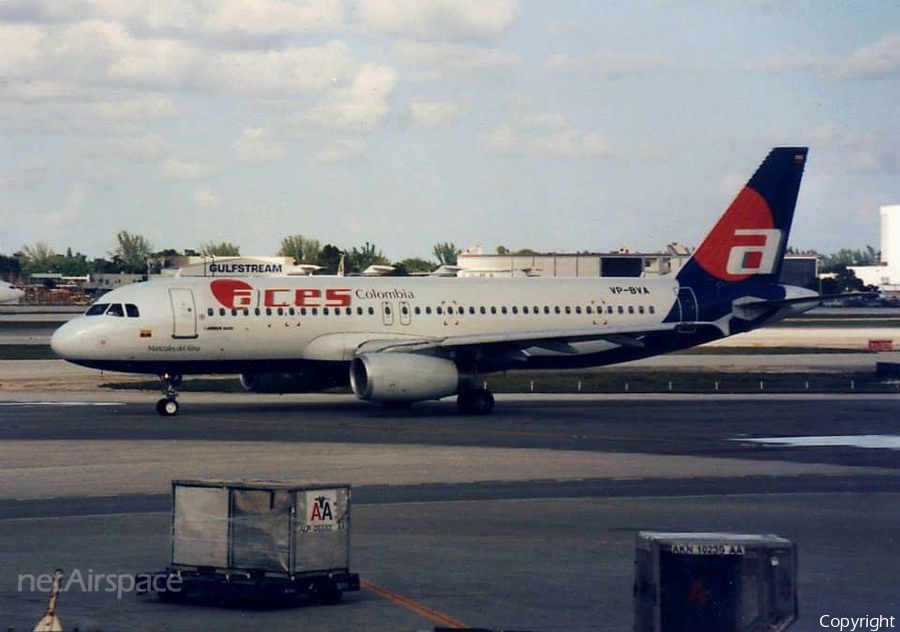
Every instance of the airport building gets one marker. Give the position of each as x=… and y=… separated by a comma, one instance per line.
x=887, y=275
x=799, y=269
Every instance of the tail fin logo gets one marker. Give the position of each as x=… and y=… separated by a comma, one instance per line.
x=744, y=242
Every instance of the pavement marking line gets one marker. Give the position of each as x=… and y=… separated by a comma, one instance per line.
x=412, y=606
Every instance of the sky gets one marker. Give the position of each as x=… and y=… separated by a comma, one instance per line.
x=571, y=125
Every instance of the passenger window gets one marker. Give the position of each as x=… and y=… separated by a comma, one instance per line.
x=525, y=309
x=417, y=310
x=556, y=309
x=209, y=311
x=482, y=310
x=256, y=311
x=471, y=309
x=621, y=309
x=116, y=310
x=439, y=310
x=359, y=311
x=631, y=309
x=546, y=309
x=589, y=309
x=536, y=310
x=387, y=310
x=493, y=309
x=371, y=311
x=246, y=312
x=221, y=311
x=515, y=310
x=99, y=308
x=303, y=311
x=652, y=309
x=503, y=309
x=348, y=311
x=641, y=309
x=404, y=310
x=268, y=311
x=609, y=309
x=315, y=311
x=428, y=310
x=281, y=311
x=234, y=312
x=450, y=310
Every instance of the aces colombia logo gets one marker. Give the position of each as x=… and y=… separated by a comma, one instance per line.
x=237, y=294
x=744, y=242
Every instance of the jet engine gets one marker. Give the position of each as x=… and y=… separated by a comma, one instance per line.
x=290, y=382
x=402, y=377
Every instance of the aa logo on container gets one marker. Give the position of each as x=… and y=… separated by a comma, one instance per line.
x=321, y=507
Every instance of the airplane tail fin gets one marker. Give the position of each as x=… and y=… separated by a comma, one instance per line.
x=749, y=240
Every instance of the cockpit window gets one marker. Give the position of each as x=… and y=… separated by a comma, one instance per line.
x=131, y=310
x=115, y=309
x=96, y=309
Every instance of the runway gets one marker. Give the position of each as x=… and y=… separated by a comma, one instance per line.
x=522, y=520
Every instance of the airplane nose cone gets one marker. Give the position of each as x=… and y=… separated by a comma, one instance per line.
x=64, y=341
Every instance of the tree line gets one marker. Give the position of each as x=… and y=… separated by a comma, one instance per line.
x=134, y=254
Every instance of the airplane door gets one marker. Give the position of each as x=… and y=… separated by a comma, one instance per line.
x=184, y=313
x=687, y=302
x=405, y=313
x=387, y=313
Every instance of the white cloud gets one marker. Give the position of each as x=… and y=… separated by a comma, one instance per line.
x=881, y=59
x=219, y=18
x=175, y=168
x=293, y=70
x=455, y=58
x=544, y=121
x=360, y=107
x=136, y=109
x=503, y=140
x=787, y=61
x=433, y=113
x=270, y=17
x=610, y=64
x=71, y=209
x=340, y=150
x=141, y=147
x=21, y=50
x=464, y=19
x=563, y=28
x=205, y=198
x=572, y=143
x=256, y=145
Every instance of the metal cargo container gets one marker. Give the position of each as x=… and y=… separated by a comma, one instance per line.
x=715, y=582
x=259, y=539
x=261, y=526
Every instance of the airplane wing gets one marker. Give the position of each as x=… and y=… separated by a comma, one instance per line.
x=554, y=339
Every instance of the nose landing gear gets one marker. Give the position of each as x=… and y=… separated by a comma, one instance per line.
x=168, y=405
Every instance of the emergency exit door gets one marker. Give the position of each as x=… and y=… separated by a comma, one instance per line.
x=184, y=313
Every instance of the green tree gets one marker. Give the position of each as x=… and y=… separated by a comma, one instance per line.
x=302, y=249
x=502, y=250
x=37, y=258
x=329, y=258
x=223, y=249
x=848, y=257
x=361, y=258
x=446, y=253
x=10, y=266
x=133, y=253
x=415, y=264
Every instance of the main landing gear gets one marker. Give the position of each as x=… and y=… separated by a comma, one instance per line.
x=477, y=401
x=168, y=405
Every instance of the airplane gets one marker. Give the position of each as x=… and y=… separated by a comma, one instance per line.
x=9, y=293
x=399, y=340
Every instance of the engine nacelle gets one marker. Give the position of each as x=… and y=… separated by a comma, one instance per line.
x=402, y=377
x=290, y=382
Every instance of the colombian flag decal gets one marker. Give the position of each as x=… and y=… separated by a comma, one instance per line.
x=146, y=333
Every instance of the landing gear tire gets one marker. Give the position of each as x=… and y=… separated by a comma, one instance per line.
x=167, y=407
x=478, y=401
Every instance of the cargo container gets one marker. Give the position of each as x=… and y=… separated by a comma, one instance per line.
x=714, y=582
x=258, y=541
